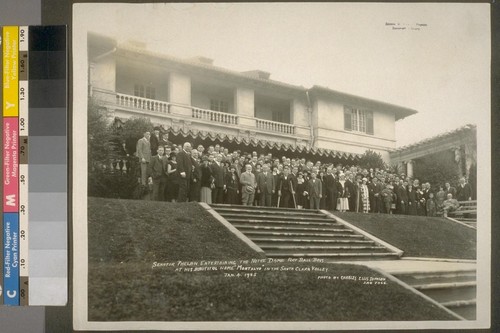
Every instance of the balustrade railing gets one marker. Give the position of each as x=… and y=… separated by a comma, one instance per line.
x=215, y=116
x=142, y=103
x=275, y=126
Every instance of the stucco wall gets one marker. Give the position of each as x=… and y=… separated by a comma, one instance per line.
x=102, y=74
x=202, y=100
x=125, y=83
x=300, y=115
x=331, y=117
x=180, y=89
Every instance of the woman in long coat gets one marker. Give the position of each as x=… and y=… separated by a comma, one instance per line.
x=412, y=200
x=206, y=181
x=172, y=188
x=343, y=194
x=232, y=186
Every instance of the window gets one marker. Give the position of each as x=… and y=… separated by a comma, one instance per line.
x=219, y=105
x=144, y=91
x=358, y=120
x=278, y=116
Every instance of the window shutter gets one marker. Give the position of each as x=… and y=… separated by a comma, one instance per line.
x=347, y=119
x=369, y=122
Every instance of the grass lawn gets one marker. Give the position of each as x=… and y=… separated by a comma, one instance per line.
x=418, y=236
x=127, y=237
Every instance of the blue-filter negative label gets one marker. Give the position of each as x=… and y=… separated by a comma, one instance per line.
x=11, y=258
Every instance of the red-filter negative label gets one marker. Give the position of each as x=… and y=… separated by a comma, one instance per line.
x=10, y=165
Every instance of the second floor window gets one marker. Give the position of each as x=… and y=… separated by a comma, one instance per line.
x=219, y=105
x=358, y=120
x=144, y=91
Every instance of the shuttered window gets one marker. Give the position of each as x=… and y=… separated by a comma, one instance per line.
x=358, y=120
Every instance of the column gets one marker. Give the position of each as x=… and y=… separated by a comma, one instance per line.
x=409, y=168
x=244, y=106
x=180, y=94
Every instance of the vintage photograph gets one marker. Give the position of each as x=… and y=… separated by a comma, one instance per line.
x=281, y=166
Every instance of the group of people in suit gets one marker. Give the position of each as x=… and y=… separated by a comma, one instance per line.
x=217, y=176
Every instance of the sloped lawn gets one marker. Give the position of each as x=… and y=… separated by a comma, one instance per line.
x=151, y=261
x=418, y=236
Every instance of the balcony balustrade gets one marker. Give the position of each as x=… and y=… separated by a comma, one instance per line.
x=275, y=126
x=142, y=103
x=204, y=115
x=215, y=116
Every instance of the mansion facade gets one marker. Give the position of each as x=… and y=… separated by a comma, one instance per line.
x=193, y=98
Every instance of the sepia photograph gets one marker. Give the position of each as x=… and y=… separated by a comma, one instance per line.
x=281, y=166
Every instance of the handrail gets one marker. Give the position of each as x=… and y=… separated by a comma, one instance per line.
x=142, y=103
x=275, y=126
x=214, y=116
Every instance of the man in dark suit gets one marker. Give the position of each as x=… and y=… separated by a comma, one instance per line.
x=352, y=186
x=184, y=168
x=402, y=197
x=287, y=186
x=265, y=186
x=154, y=141
x=195, y=185
x=331, y=189
x=450, y=190
x=158, y=167
x=464, y=191
x=314, y=190
x=219, y=180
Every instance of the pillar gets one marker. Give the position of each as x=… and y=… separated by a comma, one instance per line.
x=409, y=168
x=180, y=94
x=244, y=106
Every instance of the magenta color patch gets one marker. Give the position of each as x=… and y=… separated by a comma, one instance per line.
x=10, y=165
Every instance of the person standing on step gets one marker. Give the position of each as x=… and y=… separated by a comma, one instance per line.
x=287, y=186
x=342, y=194
x=248, y=185
x=331, y=189
x=219, y=181
x=184, y=169
x=315, y=190
x=265, y=186
x=159, y=174
x=143, y=152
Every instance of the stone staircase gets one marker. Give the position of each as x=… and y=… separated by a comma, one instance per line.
x=282, y=232
x=456, y=290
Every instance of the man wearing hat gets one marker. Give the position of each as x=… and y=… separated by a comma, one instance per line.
x=184, y=168
x=248, y=185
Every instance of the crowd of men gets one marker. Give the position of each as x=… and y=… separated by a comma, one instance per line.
x=215, y=175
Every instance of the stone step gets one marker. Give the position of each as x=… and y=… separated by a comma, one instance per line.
x=318, y=248
x=271, y=237
x=263, y=241
x=319, y=218
x=437, y=277
x=301, y=235
x=326, y=223
x=271, y=209
x=467, y=311
x=309, y=230
x=296, y=212
x=450, y=294
x=340, y=256
x=448, y=285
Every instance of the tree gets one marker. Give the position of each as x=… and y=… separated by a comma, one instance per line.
x=101, y=149
x=132, y=130
x=371, y=159
x=437, y=169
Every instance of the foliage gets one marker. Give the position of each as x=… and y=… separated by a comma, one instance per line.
x=100, y=145
x=371, y=159
x=106, y=175
x=437, y=169
x=131, y=131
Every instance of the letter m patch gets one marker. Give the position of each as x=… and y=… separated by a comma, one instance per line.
x=10, y=200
